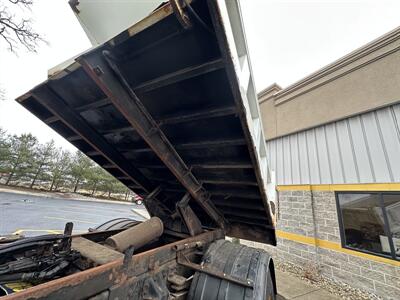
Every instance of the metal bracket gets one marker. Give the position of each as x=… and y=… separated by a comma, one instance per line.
x=128, y=257
x=196, y=244
x=190, y=219
x=155, y=207
x=184, y=201
x=184, y=261
x=182, y=17
x=66, y=244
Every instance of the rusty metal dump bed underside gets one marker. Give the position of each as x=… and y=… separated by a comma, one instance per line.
x=160, y=105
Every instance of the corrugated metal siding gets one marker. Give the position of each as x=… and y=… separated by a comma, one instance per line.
x=360, y=149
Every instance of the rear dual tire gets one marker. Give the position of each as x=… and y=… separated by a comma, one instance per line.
x=241, y=262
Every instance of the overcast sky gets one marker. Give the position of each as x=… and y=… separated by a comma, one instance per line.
x=287, y=40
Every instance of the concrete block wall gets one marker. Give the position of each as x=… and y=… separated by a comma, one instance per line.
x=308, y=236
x=326, y=217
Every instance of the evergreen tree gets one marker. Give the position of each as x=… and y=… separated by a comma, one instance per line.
x=44, y=155
x=4, y=152
x=107, y=183
x=94, y=178
x=59, y=168
x=80, y=169
x=21, y=156
x=23, y=159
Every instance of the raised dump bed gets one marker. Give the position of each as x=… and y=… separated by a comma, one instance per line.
x=170, y=102
x=169, y=108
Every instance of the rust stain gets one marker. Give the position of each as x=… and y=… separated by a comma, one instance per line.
x=116, y=268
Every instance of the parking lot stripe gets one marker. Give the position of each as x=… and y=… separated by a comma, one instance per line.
x=19, y=231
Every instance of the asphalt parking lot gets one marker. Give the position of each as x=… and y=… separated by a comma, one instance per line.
x=32, y=215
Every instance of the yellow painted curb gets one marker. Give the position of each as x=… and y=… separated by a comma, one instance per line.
x=341, y=187
x=332, y=246
x=19, y=231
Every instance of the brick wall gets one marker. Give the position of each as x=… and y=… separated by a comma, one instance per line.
x=314, y=215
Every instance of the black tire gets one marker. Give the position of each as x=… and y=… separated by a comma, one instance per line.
x=240, y=262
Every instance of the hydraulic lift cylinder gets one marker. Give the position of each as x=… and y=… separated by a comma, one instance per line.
x=137, y=236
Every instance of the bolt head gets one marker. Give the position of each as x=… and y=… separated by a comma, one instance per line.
x=98, y=71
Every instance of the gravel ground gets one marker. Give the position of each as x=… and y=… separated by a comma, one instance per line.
x=337, y=288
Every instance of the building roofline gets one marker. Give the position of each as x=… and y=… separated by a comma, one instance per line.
x=271, y=87
x=397, y=102
x=269, y=92
x=283, y=95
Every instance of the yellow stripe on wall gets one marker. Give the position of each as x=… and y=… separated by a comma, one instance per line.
x=332, y=246
x=341, y=187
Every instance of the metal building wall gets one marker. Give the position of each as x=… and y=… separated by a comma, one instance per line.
x=360, y=149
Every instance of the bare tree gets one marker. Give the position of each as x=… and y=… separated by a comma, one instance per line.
x=15, y=30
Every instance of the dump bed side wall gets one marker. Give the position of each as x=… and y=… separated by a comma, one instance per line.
x=169, y=106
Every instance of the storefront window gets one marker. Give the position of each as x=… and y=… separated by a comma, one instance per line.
x=370, y=222
x=392, y=208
